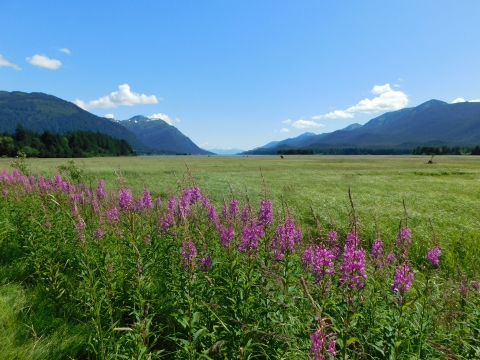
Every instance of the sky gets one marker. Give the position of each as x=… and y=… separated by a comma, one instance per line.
x=239, y=74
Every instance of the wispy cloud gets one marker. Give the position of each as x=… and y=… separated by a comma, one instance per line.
x=387, y=100
x=284, y=130
x=109, y=116
x=5, y=62
x=304, y=124
x=65, y=50
x=44, y=62
x=164, y=117
x=288, y=121
x=123, y=97
x=460, y=100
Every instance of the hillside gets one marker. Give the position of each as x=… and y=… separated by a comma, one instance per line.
x=159, y=135
x=431, y=123
x=40, y=112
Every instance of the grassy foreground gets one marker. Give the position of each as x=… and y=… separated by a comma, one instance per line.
x=90, y=274
x=445, y=192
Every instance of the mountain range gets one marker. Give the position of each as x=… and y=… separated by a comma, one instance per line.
x=42, y=112
x=433, y=123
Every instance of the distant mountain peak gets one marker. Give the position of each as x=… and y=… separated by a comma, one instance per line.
x=306, y=134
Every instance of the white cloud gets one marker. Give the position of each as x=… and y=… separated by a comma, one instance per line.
x=284, y=130
x=44, y=61
x=338, y=114
x=386, y=100
x=396, y=85
x=122, y=97
x=380, y=89
x=5, y=62
x=458, y=100
x=163, y=117
x=109, y=116
x=476, y=100
x=65, y=50
x=288, y=121
x=303, y=124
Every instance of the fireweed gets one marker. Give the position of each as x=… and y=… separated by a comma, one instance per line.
x=111, y=260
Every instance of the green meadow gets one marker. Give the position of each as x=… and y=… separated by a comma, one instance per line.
x=89, y=272
x=445, y=192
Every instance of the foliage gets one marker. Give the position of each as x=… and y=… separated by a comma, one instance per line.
x=180, y=276
x=74, y=144
x=40, y=112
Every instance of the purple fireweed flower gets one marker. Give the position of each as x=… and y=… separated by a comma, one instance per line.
x=101, y=193
x=87, y=192
x=47, y=224
x=212, y=214
x=78, y=198
x=205, y=202
x=112, y=215
x=166, y=221
x=353, y=268
x=205, y=263
x=184, y=206
x=391, y=258
x=433, y=255
x=125, y=200
x=65, y=187
x=404, y=237
x=323, y=342
x=172, y=203
x=158, y=201
x=98, y=234
x=57, y=182
x=377, y=253
x=332, y=237
x=28, y=188
x=245, y=214
x=351, y=241
x=476, y=285
x=139, y=269
x=5, y=192
x=318, y=260
x=146, y=200
x=286, y=237
x=250, y=236
x=189, y=253
x=191, y=195
x=402, y=279
x=225, y=213
x=79, y=227
x=226, y=235
x=265, y=215
x=147, y=239
x=233, y=207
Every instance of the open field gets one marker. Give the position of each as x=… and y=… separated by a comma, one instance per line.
x=191, y=267
x=447, y=192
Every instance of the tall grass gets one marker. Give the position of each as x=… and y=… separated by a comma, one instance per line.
x=90, y=270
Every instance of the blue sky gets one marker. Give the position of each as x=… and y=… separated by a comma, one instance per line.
x=243, y=73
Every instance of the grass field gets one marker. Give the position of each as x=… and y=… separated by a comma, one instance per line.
x=447, y=192
x=89, y=274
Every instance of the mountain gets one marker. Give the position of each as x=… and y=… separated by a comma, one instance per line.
x=232, y=151
x=40, y=112
x=161, y=136
x=431, y=123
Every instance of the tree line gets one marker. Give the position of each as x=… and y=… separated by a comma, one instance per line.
x=74, y=144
